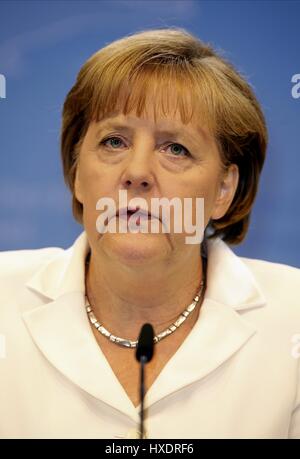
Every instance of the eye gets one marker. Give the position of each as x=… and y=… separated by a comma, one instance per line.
x=103, y=142
x=179, y=149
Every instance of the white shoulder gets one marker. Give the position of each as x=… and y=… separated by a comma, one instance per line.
x=18, y=262
x=276, y=280
x=268, y=269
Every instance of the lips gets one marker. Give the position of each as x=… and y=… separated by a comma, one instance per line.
x=128, y=211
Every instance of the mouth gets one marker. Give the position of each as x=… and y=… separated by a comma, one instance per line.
x=139, y=213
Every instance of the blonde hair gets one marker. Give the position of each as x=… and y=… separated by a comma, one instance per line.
x=165, y=63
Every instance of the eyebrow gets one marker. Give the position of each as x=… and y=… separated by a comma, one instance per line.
x=167, y=132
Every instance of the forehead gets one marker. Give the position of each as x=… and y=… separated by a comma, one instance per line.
x=166, y=125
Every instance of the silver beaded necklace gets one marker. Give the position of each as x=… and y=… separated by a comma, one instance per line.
x=132, y=344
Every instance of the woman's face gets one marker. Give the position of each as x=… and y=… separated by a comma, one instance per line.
x=148, y=160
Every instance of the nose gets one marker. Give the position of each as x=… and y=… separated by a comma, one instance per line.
x=139, y=171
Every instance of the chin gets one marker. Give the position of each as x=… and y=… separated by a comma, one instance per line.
x=135, y=248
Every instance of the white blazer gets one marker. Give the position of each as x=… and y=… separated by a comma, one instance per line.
x=235, y=376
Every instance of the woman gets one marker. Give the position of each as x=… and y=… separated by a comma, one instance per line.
x=157, y=114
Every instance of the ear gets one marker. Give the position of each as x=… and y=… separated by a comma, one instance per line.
x=77, y=186
x=227, y=188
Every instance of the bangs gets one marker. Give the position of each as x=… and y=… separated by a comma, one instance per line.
x=168, y=89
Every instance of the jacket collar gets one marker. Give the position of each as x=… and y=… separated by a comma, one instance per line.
x=60, y=323
x=230, y=281
x=63, y=274
x=225, y=271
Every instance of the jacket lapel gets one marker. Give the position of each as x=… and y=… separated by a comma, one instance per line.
x=61, y=330
x=220, y=330
x=218, y=334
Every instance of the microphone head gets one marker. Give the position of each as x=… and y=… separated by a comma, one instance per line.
x=145, y=346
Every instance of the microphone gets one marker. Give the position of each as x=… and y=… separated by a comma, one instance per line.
x=144, y=353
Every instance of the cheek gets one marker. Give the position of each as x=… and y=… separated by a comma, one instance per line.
x=96, y=183
x=205, y=186
x=191, y=208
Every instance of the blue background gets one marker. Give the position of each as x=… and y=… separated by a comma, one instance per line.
x=42, y=47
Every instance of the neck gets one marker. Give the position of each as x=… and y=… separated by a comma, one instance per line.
x=124, y=299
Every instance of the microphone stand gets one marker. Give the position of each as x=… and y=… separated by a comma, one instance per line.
x=144, y=353
x=142, y=395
